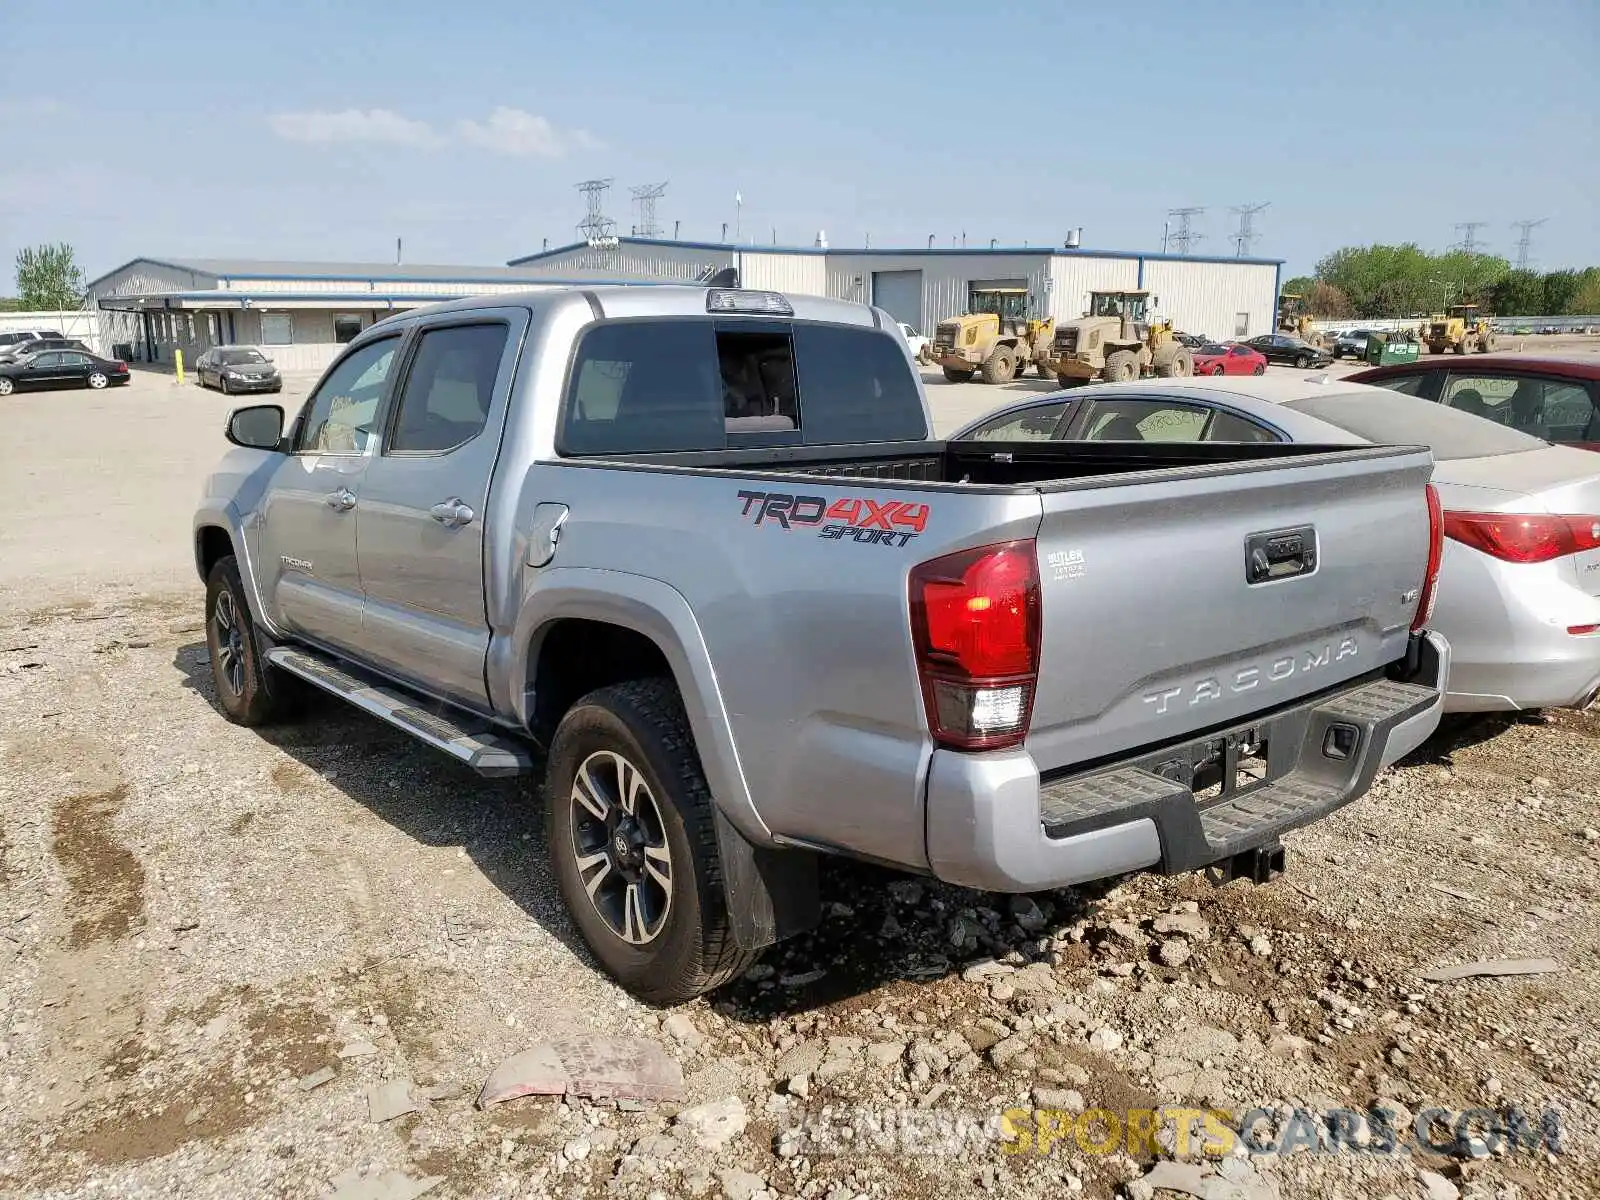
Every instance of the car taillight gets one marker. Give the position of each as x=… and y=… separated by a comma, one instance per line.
x=1430, y=581
x=1523, y=537
x=975, y=626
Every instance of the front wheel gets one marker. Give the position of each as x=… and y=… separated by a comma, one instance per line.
x=249, y=691
x=222, y=386
x=633, y=841
x=1218, y=370
x=1000, y=366
x=6, y=386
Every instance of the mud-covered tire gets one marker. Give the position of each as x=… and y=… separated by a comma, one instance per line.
x=1000, y=366
x=952, y=375
x=1464, y=346
x=1181, y=365
x=1121, y=366
x=1486, y=346
x=250, y=691
x=643, y=722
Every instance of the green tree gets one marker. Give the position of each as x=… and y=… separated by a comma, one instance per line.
x=48, y=278
x=1380, y=280
x=1300, y=285
x=1518, y=294
x=1585, y=301
x=1559, y=289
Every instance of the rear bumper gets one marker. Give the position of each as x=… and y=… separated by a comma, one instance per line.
x=1508, y=687
x=993, y=825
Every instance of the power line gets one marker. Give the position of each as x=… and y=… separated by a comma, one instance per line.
x=1246, y=236
x=1469, y=236
x=595, y=224
x=1184, y=235
x=1525, y=242
x=645, y=196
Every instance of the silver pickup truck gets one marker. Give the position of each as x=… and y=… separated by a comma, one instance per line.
x=695, y=552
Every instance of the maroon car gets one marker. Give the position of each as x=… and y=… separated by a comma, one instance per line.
x=1557, y=399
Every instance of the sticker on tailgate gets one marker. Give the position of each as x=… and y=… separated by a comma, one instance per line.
x=847, y=519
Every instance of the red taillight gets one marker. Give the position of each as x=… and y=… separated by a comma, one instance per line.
x=1430, y=581
x=1523, y=537
x=1583, y=630
x=975, y=626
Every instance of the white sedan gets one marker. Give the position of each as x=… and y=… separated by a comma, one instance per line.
x=1519, y=586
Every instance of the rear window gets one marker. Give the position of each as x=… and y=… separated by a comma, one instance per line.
x=700, y=384
x=1391, y=418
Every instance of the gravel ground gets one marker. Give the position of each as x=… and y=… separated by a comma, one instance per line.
x=194, y=918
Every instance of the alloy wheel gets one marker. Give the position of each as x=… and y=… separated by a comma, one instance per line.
x=619, y=844
x=230, y=642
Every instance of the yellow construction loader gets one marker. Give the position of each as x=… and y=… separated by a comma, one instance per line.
x=996, y=337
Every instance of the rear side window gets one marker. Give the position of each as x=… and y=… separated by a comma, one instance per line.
x=1406, y=385
x=448, y=389
x=690, y=384
x=1391, y=420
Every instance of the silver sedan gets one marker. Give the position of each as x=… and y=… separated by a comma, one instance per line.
x=1519, y=587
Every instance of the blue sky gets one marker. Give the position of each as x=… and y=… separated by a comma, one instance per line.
x=326, y=130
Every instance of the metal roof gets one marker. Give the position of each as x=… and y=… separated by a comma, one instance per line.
x=269, y=269
x=934, y=251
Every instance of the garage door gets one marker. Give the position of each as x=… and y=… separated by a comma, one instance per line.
x=899, y=293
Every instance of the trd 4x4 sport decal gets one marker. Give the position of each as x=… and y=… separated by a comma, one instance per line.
x=851, y=518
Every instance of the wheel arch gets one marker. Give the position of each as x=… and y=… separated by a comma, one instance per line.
x=626, y=626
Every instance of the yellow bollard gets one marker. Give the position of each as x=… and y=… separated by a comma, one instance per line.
x=177, y=361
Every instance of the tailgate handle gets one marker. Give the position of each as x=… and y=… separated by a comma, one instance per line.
x=1280, y=554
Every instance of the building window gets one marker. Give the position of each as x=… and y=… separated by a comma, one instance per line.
x=1241, y=324
x=277, y=329
x=345, y=327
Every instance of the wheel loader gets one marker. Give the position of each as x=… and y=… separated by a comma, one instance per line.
x=1116, y=339
x=1461, y=328
x=995, y=338
x=1294, y=320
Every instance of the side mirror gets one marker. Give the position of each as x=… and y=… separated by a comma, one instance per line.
x=259, y=427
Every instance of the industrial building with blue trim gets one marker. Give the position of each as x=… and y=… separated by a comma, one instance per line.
x=300, y=313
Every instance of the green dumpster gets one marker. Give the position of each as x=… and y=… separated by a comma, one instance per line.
x=1399, y=347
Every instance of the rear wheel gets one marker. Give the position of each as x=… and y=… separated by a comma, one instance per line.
x=633, y=842
x=1000, y=366
x=1464, y=346
x=952, y=375
x=1121, y=366
x=1302, y=361
x=1487, y=345
x=98, y=380
x=1259, y=369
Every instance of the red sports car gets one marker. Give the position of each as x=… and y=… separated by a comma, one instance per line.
x=1229, y=360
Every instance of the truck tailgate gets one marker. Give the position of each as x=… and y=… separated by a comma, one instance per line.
x=1179, y=600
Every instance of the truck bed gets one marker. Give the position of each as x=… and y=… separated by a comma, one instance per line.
x=985, y=464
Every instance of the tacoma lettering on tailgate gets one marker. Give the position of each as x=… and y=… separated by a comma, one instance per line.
x=850, y=518
x=1245, y=679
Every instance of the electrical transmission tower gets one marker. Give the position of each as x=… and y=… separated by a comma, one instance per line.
x=1469, y=236
x=595, y=224
x=1525, y=242
x=1245, y=238
x=1184, y=235
x=645, y=196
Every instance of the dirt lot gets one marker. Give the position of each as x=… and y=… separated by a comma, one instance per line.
x=195, y=917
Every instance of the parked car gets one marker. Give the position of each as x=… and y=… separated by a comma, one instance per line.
x=1519, y=589
x=1216, y=359
x=60, y=369
x=1554, y=398
x=14, y=337
x=1193, y=340
x=233, y=369
x=700, y=545
x=1282, y=348
x=34, y=345
x=1352, y=342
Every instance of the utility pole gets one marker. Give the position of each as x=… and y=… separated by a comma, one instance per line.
x=1525, y=242
x=1245, y=238
x=1184, y=236
x=1469, y=236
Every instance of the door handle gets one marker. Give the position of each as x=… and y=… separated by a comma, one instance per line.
x=452, y=513
x=343, y=500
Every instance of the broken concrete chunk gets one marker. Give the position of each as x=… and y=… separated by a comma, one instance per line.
x=389, y=1185
x=713, y=1124
x=316, y=1079
x=587, y=1065
x=358, y=1050
x=1499, y=966
x=388, y=1100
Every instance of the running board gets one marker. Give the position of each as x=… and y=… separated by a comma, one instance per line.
x=463, y=738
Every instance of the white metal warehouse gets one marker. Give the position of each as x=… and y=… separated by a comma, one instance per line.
x=1217, y=297
x=299, y=313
